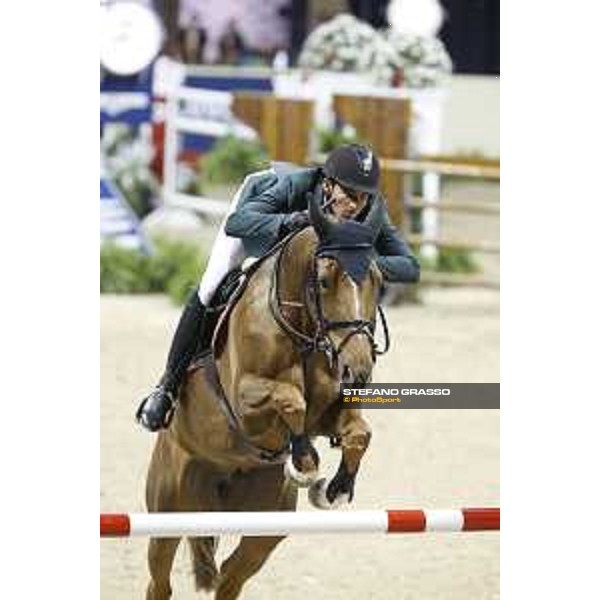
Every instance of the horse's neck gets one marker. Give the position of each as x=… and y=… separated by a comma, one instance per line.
x=297, y=260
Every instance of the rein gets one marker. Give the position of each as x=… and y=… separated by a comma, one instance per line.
x=321, y=341
x=307, y=344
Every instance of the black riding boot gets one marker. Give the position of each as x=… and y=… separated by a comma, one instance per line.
x=156, y=411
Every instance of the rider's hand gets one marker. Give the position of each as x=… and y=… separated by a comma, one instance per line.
x=294, y=221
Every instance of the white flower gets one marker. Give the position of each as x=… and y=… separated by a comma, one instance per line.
x=346, y=44
x=343, y=43
x=424, y=60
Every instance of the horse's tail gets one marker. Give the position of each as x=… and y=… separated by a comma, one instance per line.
x=204, y=567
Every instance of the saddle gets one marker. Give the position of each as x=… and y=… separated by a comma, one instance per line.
x=227, y=295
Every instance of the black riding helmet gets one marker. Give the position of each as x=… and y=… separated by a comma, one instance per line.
x=355, y=167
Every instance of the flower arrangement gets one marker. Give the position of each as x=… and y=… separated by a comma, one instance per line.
x=347, y=44
x=423, y=60
x=341, y=44
x=127, y=157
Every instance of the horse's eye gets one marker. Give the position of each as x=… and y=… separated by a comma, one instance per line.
x=325, y=283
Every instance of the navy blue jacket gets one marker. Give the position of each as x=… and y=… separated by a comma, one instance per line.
x=265, y=201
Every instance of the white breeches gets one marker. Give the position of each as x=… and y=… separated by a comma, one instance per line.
x=227, y=252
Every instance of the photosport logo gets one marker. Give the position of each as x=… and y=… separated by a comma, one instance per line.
x=420, y=395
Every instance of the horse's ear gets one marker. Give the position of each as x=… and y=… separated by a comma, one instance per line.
x=375, y=217
x=318, y=218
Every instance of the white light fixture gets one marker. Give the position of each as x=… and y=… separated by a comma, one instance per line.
x=130, y=37
x=419, y=17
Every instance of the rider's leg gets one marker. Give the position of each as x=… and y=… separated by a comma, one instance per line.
x=156, y=410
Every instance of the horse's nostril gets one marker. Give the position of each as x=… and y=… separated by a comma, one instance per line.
x=363, y=377
x=347, y=374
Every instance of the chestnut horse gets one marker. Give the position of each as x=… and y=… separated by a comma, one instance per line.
x=240, y=438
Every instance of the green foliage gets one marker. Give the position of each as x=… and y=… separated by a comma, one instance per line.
x=456, y=260
x=451, y=259
x=174, y=268
x=232, y=159
x=329, y=139
x=123, y=270
x=186, y=277
x=194, y=187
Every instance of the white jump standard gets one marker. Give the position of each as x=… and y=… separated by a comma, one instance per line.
x=177, y=524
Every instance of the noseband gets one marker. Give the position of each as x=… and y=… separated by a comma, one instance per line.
x=321, y=341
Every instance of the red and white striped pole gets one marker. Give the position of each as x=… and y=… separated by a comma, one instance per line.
x=178, y=524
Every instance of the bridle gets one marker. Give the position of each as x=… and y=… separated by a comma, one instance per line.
x=321, y=340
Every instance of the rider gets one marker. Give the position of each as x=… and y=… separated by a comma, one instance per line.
x=268, y=206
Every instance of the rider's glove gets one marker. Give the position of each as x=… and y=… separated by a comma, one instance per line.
x=293, y=222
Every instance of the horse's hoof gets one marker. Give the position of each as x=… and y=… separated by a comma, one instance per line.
x=300, y=478
x=317, y=494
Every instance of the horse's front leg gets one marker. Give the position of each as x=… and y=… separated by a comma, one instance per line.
x=284, y=395
x=303, y=466
x=354, y=434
